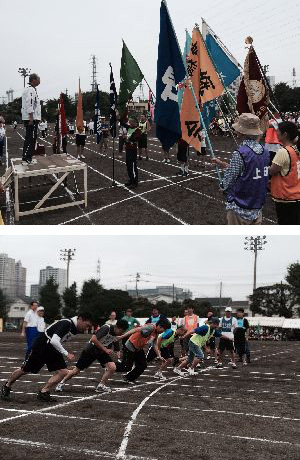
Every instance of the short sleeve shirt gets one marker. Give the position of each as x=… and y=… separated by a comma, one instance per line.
x=31, y=319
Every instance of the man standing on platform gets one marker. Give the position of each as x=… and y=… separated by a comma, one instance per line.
x=31, y=116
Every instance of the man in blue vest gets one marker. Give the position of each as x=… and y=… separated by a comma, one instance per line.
x=241, y=337
x=228, y=325
x=246, y=178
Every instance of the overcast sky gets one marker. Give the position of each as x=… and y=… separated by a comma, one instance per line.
x=57, y=38
x=197, y=263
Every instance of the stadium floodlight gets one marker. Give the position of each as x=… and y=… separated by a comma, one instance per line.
x=67, y=255
x=255, y=244
x=24, y=72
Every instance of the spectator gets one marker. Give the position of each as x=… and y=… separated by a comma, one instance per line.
x=41, y=326
x=31, y=116
x=285, y=172
x=112, y=319
x=2, y=139
x=246, y=177
x=29, y=326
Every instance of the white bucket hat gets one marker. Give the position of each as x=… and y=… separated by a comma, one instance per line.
x=247, y=123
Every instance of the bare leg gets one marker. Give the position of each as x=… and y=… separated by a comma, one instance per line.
x=109, y=371
x=195, y=363
x=71, y=373
x=54, y=380
x=165, y=364
x=16, y=375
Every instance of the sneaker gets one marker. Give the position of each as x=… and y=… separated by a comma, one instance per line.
x=180, y=173
x=160, y=376
x=216, y=361
x=168, y=161
x=128, y=184
x=164, y=161
x=178, y=372
x=5, y=392
x=192, y=371
x=208, y=357
x=45, y=397
x=245, y=363
x=102, y=388
x=233, y=365
x=60, y=387
x=219, y=365
x=185, y=174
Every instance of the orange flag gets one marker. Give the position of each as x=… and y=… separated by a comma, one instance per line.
x=207, y=86
x=79, y=116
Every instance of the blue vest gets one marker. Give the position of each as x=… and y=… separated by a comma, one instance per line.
x=226, y=325
x=250, y=190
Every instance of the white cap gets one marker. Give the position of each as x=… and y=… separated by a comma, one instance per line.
x=40, y=309
x=228, y=309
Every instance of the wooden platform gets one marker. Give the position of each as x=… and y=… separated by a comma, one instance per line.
x=59, y=167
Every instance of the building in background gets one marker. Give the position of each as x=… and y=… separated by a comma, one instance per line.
x=222, y=302
x=166, y=293
x=8, y=276
x=20, y=279
x=59, y=276
x=34, y=291
x=17, y=310
x=272, y=81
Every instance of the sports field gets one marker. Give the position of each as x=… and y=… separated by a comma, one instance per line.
x=162, y=198
x=249, y=413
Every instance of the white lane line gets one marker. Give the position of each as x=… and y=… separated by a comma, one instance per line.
x=63, y=448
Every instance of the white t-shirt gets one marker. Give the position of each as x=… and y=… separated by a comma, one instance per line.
x=91, y=125
x=31, y=318
x=228, y=331
x=41, y=326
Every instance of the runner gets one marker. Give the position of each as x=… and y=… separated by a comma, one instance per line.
x=133, y=352
x=144, y=126
x=165, y=346
x=228, y=325
x=99, y=348
x=200, y=336
x=241, y=335
x=48, y=350
x=211, y=349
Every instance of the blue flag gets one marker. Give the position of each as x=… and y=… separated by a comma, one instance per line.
x=97, y=119
x=208, y=113
x=170, y=72
x=228, y=70
x=186, y=52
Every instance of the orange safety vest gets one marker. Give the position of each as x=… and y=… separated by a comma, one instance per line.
x=138, y=341
x=271, y=136
x=287, y=188
x=191, y=322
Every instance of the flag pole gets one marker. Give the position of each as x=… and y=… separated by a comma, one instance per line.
x=113, y=178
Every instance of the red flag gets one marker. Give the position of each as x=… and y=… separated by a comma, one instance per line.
x=253, y=95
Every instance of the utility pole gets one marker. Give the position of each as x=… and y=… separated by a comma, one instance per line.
x=173, y=292
x=94, y=73
x=24, y=72
x=67, y=255
x=255, y=244
x=294, y=75
x=99, y=270
x=137, y=280
x=221, y=289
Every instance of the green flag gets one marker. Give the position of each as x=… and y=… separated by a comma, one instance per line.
x=130, y=77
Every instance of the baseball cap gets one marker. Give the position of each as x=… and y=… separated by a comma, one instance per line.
x=228, y=309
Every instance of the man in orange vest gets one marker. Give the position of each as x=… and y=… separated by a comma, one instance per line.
x=285, y=172
x=190, y=322
x=133, y=351
x=272, y=142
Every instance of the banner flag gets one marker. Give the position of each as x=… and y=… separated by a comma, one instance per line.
x=226, y=65
x=187, y=49
x=97, y=117
x=79, y=116
x=113, y=105
x=206, y=85
x=253, y=96
x=170, y=72
x=130, y=77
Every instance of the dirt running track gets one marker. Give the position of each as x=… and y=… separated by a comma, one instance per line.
x=162, y=198
x=250, y=413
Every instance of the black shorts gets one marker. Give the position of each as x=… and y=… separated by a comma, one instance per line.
x=88, y=357
x=80, y=139
x=212, y=343
x=143, y=142
x=43, y=353
x=226, y=344
x=166, y=353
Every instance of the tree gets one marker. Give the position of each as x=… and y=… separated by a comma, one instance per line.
x=89, y=299
x=293, y=279
x=50, y=300
x=278, y=299
x=3, y=305
x=71, y=301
